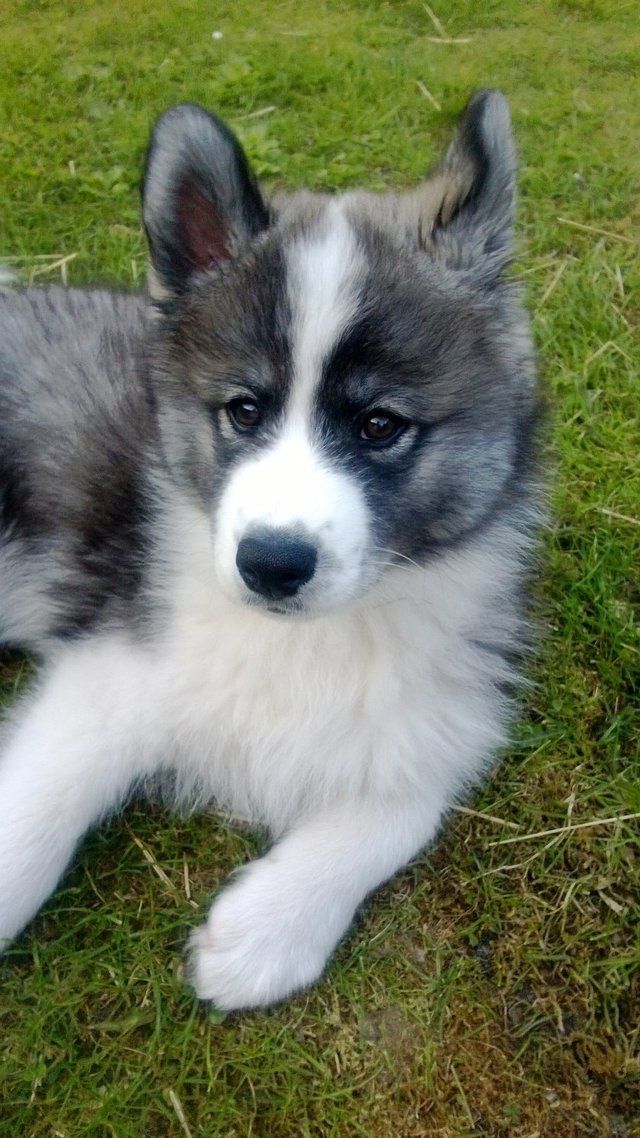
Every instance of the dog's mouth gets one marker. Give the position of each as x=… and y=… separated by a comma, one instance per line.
x=282, y=608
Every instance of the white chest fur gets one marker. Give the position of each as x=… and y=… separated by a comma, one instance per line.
x=275, y=716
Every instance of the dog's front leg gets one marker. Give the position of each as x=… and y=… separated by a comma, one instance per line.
x=273, y=927
x=70, y=755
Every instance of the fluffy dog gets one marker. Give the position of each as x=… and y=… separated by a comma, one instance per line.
x=269, y=531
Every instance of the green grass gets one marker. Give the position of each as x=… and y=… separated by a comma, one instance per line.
x=492, y=989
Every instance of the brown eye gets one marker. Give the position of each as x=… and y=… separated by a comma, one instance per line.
x=244, y=413
x=381, y=427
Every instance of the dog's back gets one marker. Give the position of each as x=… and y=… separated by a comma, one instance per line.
x=74, y=424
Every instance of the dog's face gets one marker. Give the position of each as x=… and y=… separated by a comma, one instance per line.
x=346, y=383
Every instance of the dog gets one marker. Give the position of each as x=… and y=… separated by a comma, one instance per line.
x=269, y=530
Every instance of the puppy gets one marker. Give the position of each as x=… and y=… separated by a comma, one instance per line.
x=268, y=531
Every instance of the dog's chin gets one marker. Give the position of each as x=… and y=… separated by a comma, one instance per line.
x=293, y=609
x=318, y=600
x=303, y=608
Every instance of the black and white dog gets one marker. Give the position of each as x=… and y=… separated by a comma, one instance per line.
x=269, y=533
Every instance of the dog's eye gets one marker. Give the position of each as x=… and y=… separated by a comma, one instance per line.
x=381, y=427
x=245, y=413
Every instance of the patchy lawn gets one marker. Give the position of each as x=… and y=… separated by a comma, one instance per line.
x=493, y=988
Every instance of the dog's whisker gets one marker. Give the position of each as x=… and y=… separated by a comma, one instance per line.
x=391, y=565
x=396, y=553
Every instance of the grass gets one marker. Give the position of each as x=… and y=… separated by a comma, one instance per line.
x=493, y=988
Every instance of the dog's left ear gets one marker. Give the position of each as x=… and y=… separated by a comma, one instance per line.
x=466, y=209
x=200, y=199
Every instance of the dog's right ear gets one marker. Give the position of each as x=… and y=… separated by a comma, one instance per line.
x=200, y=199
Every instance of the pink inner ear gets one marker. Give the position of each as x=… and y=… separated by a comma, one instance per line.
x=205, y=235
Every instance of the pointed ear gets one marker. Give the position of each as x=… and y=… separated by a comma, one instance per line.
x=200, y=200
x=467, y=212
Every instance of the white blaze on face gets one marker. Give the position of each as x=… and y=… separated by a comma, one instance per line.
x=324, y=273
x=291, y=485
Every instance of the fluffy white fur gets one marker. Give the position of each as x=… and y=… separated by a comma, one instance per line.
x=354, y=776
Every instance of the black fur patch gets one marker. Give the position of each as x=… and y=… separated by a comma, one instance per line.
x=110, y=546
x=420, y=349
x=17, y=519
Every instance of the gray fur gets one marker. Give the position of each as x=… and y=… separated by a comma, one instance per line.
x=77, y=430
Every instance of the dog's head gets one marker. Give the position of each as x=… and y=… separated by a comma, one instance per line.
x=346, y=382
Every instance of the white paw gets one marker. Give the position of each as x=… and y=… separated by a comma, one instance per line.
x=261, y=942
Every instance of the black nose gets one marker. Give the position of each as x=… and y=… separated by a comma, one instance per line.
x=275, y=564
